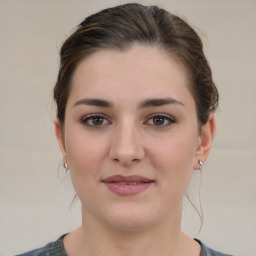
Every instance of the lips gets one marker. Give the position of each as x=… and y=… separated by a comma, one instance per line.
x=127, y=185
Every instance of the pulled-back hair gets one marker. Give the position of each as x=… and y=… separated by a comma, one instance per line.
x=123, y=26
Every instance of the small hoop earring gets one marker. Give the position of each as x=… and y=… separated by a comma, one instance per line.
x=201, y=163
x=66, y=167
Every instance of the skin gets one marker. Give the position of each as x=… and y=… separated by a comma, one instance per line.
x=161, y=143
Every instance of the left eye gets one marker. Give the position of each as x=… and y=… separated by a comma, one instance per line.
x=95, y=120
x=160, y=120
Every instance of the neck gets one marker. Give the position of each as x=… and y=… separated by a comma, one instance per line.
x=97, y=238
x=148, y=241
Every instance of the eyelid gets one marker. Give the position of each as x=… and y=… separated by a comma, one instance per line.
x=86, y=118
x=166, y=116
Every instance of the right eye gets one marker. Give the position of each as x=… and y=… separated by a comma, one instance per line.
x=95, y=120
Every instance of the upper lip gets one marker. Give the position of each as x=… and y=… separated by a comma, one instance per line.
x=127, y=179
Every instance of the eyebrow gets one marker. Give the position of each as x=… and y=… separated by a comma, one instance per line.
x=159, y=102
x=94, y=102
x=154, y=102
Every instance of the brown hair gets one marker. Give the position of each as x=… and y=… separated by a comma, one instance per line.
x=121, y=27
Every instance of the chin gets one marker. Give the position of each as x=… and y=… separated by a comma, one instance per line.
x=130, y=218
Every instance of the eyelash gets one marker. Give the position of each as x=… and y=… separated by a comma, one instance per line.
x=89, y=118
x=166, y=118
x=85, y=120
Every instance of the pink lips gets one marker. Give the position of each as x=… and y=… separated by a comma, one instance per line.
x=127, y=185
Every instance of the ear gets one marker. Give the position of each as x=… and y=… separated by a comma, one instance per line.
x=205, y=141
x=60, y=137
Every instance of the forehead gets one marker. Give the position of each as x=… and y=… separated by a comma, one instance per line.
x=144, y=71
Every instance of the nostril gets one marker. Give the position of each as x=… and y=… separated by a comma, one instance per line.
x=125, y=160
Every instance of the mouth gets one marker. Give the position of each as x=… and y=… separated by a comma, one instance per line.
x=127, y=185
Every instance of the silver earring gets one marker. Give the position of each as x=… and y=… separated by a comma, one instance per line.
x=201, y=163
x=66, y=167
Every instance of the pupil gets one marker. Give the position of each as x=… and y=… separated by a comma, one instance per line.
x=158, y=120
x=97, y=120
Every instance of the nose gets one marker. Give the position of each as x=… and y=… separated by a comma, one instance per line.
x=126, y=146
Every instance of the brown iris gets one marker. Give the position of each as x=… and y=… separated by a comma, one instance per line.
x=97, y=120
x=158, y=120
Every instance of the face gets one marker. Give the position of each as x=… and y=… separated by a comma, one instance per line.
x=130, y=137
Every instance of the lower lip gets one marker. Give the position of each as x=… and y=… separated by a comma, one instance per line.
x=127, y=190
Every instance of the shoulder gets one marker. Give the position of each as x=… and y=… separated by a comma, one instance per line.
x=55, y=248
x=206, y=251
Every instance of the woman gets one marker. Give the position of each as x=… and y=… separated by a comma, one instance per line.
x=135, y=102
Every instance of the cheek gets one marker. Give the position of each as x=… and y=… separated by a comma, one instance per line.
x=85, y=153
x=85, y=158
x=175, y=152
x=174, y=161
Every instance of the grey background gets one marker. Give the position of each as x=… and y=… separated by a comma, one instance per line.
x=35, y=192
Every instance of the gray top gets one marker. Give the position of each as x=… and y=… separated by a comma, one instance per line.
x=57, y=249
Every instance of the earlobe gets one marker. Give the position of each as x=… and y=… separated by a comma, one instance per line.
x=60, y=137
x=205, y=141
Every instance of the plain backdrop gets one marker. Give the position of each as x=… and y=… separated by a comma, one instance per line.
x=35, y=192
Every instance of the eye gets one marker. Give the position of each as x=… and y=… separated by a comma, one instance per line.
x=160, y=120
x=95, y=120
